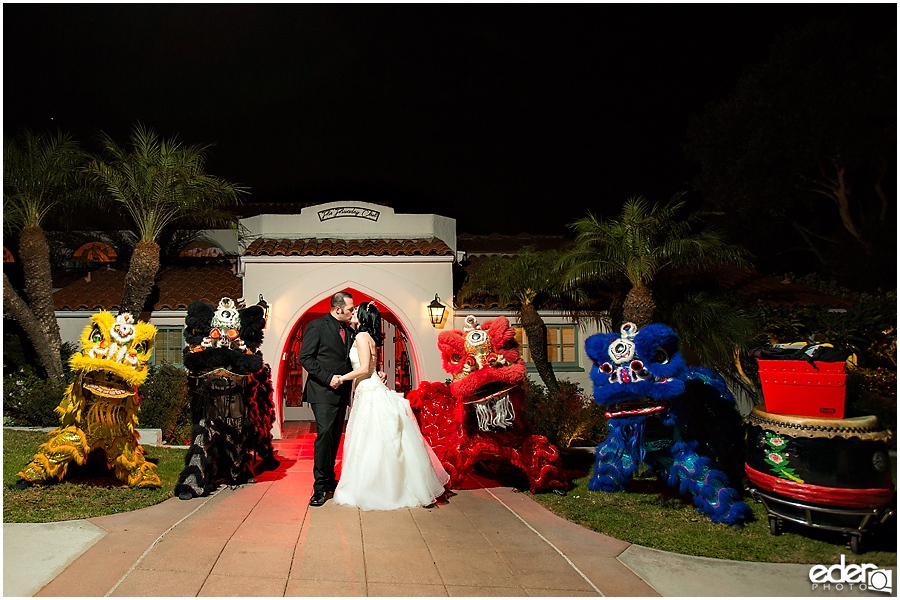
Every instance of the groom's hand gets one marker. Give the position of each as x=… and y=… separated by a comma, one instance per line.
x=335, y=381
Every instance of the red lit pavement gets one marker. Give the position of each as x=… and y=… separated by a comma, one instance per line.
x=265, y=540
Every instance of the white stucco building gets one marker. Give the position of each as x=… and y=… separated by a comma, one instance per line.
x=296, y=262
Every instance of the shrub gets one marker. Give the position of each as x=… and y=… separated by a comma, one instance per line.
x=867, y=329
x=165, y=403
x=873, y=392
x=18, y=354
x=569, y=418
x=29, y=400
x=14, y=355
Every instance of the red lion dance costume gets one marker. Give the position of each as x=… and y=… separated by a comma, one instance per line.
x=478, y=417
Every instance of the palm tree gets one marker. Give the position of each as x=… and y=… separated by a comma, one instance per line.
x=718, y=328
x=525, y=280
x=159, y=183
x=39, y=179
x=644, y=241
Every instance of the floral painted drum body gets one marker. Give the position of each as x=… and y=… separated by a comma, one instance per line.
x=834, y=462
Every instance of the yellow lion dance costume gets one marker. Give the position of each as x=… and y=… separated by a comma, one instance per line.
x=99, y=410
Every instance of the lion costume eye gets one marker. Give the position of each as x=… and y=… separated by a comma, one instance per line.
x=455, y=358
x=142, y=347
x=96, y=335
x=661, y=356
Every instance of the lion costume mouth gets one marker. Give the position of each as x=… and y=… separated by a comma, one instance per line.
x=107, y=397
x=105, y=384
x=633, y=408
x=221, y=373
x=493, y=407
x=494, y=390
x=221, y=380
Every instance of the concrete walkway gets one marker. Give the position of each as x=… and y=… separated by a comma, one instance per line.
x=264, y=540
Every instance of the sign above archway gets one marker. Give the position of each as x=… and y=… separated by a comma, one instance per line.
x=356, y=212
x=349, y=220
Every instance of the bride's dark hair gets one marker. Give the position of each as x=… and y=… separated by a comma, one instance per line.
x=369, y=318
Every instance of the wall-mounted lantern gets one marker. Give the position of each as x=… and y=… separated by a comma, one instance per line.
x=265, y=307
x=436, y=311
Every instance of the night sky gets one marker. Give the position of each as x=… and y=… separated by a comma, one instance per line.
x=508, y=118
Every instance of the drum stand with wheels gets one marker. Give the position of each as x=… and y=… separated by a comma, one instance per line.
x=853, y=522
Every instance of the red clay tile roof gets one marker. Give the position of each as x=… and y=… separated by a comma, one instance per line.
x=201, y=248
x=100, y=289
x=600, y=302
x=336, y=247
x=63, y=278
x=178, y=287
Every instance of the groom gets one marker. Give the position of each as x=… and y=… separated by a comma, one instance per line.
x=325, y=354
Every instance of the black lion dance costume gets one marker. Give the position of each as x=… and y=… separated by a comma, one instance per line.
x=677, y=420
x=231, y=397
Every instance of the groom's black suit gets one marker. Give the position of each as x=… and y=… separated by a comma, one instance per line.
x=323, y=354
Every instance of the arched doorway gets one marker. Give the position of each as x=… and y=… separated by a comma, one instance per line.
x=394, y=358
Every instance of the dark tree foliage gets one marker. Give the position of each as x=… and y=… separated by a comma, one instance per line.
x=527, y=281
x=801, y=156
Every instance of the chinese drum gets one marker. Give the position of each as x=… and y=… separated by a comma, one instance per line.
x=829, y=462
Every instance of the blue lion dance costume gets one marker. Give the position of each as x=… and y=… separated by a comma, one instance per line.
x=668, y=416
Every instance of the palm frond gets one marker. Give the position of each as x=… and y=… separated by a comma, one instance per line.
x=162, y=182
x=713, y=326
x=39, y=172
x=643, y=241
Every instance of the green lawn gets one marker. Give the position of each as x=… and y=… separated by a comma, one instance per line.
x=660, y=519
x=66, y=501
x=656, y=519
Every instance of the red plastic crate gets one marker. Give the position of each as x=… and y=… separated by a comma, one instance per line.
x=794, y=387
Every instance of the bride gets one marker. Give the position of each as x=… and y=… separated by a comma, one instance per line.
x=387, y=464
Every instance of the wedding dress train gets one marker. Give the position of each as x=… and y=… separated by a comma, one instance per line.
x=387, y=464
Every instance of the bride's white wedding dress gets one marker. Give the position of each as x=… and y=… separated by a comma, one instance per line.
x=387, y=464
